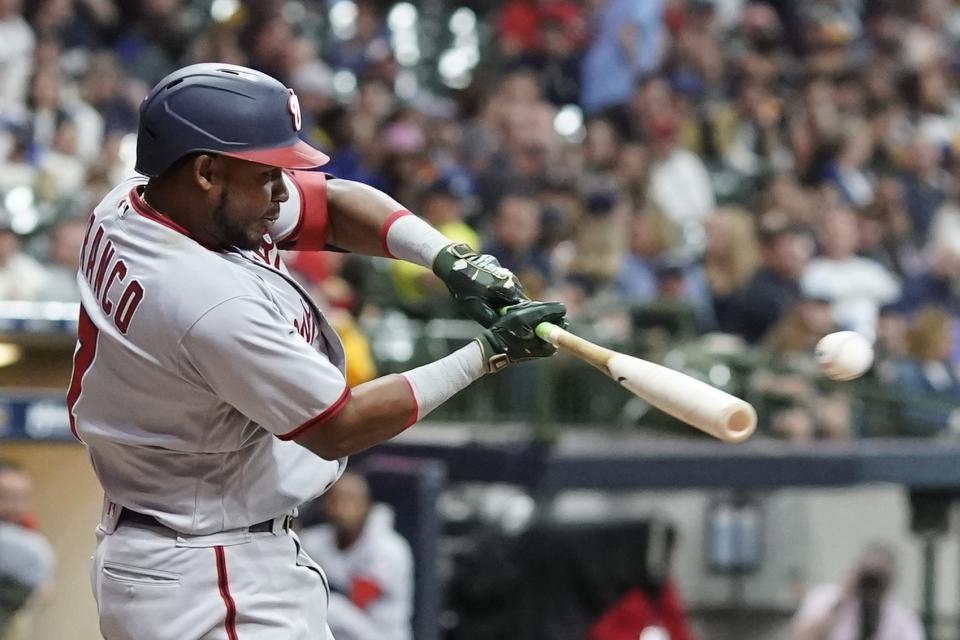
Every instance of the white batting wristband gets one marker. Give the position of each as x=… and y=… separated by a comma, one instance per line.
x=411, y=238
x=435, y=383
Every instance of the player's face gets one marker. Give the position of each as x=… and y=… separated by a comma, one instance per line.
x=249, y=203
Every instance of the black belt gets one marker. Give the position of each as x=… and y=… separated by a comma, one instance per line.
x=134, y=517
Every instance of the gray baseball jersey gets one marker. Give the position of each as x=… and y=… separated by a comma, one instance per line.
x=195, y=368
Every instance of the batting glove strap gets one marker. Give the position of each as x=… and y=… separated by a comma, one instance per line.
x=513, y=337
x=477, y=282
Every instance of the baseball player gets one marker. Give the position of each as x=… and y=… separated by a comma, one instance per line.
x=208, y=387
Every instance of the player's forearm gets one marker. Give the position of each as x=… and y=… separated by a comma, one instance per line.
x=380, y=409
x=367, y=221
x=377, y=411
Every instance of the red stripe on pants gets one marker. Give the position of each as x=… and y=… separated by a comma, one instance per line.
x=230, y=622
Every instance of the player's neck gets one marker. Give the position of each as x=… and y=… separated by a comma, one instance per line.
x=170, y=203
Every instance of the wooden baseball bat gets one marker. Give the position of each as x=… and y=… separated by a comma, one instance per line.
x=697, y=403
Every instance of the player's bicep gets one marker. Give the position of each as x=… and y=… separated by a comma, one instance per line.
x=253, y=359
x=303, y=224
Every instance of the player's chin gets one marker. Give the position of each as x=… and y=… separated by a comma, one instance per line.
x=252, y=239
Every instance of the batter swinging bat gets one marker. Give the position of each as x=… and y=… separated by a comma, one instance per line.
x=698, y=404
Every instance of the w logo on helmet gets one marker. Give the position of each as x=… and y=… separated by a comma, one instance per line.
x=293, y=105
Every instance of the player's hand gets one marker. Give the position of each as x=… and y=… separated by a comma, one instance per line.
x=512, y=337
x=477, y=282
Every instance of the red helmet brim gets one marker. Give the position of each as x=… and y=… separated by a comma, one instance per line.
x=297, y=156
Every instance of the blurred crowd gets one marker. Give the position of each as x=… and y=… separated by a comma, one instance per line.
x=770, y=170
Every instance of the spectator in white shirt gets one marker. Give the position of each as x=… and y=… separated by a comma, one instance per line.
x=16, y=58
x=680, y=185
x=369, y=566
x=856, y=287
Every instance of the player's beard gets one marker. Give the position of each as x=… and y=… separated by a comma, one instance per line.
x=231, y=232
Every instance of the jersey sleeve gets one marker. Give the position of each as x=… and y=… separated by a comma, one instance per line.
x=253, y=359
x=303, y=224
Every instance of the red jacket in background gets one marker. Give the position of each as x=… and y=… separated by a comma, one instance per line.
x=635, y=611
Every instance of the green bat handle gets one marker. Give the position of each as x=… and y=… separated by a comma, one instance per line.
x=544, y=330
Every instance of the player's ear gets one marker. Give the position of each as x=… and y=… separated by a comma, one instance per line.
x=203, y=170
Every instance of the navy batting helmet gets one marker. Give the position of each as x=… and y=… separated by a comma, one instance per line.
x=224, y=109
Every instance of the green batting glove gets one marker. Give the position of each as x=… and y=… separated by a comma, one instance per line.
x=513, y=338
x=477, y=282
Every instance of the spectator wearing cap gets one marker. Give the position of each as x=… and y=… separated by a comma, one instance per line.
x=856, y=287
x=785, y=252
x=678, y=280
x=601, y=236
x=21, y=276
x=416, y=287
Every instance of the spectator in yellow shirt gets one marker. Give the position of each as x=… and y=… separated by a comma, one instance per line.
x=417, y=290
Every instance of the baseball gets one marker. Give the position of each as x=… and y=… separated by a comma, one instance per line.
x=844, y=355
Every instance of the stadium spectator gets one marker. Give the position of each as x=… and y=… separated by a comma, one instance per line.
x=890, y=348
x=26, y=558
x=650, y=236
x=730, y=258
x=937, y=284
x=626, y=44
x=66, y=238
x=885, y=233
x=946, y=226
x=788, y=112
x=775, y=286
x=365, y=47
x=926, y=377
x=856, y=287
x=16, y=58
x=21, y=276
x=679, y=185
x=513, y=239
x=863, y=607
x=369, y=565
x=601, y=237
x=756, y=144
x=418, y=290
x=785, y=379
x=924, y=184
